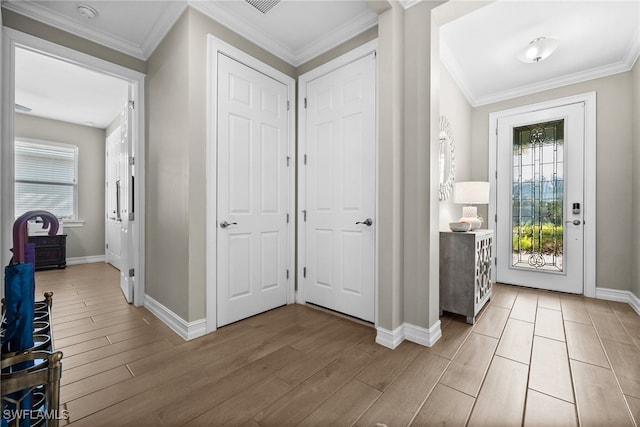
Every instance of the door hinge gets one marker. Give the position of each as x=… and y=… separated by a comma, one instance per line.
x=287, y=218
x=106, y=246
x=305, y=102
x=496, y=130
x=132, y=105
x=304, y=272
x=304, y=216
x=288, y=160
x=288, y=105
x=495, y=218
x=132, y=216
x=132, y=272
x=375, y=54
x=305, y=159
x=496, y=174
x=495, y=261
x=132, y=161
x=287, y=274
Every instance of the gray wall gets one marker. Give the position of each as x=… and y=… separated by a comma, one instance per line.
x=455, y=107
x=613, y=167
x=87, y=240
x=176, y=138
x=635, y=254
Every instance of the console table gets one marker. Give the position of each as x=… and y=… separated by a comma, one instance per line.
x=51, y=251
x=465, y=271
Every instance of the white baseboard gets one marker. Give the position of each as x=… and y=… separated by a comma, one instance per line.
x=187, y=330
x=390, y=339
x=423, y=336
x=619, y=296
x=409, y=332
x=85, y=259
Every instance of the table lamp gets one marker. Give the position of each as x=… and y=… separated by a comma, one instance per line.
x=471, y=193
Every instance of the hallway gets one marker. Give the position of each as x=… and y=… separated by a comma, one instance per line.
x=532, y=358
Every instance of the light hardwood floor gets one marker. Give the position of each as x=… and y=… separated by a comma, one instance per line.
x=533, y=358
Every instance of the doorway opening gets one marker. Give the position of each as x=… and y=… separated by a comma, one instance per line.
x=63, y=96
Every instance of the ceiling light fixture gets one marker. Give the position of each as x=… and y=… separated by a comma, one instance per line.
x=537, y=50
x=87, y=11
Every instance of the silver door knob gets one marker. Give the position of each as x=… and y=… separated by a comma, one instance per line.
x=574, y=222
x=368, y=222
x=225, y=224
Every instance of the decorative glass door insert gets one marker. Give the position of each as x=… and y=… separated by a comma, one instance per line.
x=538, y=196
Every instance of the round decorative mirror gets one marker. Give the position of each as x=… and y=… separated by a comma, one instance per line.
x=446, y=159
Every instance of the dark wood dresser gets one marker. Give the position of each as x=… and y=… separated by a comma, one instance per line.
x=51, y=251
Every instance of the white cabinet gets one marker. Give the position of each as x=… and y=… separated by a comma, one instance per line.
x=465, y=271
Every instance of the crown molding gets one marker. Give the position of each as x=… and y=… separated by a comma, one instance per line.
x=219, y=14
x=406, y=4
x=341, y=34
x=359, y=24
x=455, y=70
x=569, y=79
x=61, y=22
x=162, y=27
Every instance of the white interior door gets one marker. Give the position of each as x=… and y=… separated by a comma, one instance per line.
x=125, y=202
x=252, y=189
x=339, y=257
x=540, y=199
x=112, y=190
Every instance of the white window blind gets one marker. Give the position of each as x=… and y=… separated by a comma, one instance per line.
x=46, y=178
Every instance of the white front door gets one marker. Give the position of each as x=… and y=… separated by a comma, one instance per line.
x=339, y=213
x=540, y=199
x=112, y=191
x=252, y=192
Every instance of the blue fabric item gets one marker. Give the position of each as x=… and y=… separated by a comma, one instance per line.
x=19, y=305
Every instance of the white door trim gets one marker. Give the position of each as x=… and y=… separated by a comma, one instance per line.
x=215, y=46
x=13, y=39
x=332, y=65
x=589, y=100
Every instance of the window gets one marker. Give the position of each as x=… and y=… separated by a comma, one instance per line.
x=46, y=178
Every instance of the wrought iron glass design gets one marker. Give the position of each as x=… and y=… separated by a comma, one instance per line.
x=538, y=196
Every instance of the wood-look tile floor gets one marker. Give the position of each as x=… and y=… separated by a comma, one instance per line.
x=533, y=358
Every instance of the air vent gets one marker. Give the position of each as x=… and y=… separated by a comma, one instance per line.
x=263, y=6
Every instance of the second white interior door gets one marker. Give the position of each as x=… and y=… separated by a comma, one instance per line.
x=339, y=256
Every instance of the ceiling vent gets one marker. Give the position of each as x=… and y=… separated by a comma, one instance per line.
x=263, y=6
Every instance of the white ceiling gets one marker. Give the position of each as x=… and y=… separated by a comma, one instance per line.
x=63, y=91
x=595, y=39
x=294, y=30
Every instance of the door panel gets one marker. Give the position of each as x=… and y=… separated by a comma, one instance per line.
x=112, y=226
x=125, y=200
x=340, y=189
x=540, y=238
x=252, y=190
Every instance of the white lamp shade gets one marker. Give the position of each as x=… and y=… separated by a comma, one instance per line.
x=471, y=192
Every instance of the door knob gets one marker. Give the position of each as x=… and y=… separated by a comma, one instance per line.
x=574, y=222
x=368, y=222
x=225, y=224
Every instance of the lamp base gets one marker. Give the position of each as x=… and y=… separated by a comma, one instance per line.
x=473, y=221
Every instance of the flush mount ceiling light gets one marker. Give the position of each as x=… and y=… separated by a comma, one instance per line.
x=87, y=11
x=537, y=50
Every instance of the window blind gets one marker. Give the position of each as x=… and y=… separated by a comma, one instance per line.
x=46, y=178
